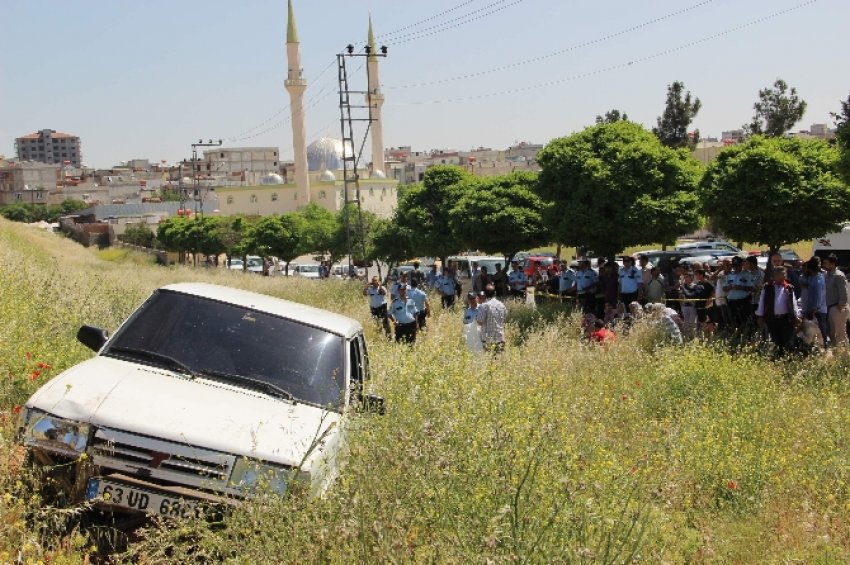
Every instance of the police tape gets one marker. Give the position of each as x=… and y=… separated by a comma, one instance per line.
x=574, y=298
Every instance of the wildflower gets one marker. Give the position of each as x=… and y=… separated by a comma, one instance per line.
x=29, y=356
x=35, y=374
x=42, y=365
x=732, y=485
x=17, y=409
x=637, y=384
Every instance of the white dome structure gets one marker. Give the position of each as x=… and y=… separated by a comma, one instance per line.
x=271, y=178
x=327, y=176
x=324, y=154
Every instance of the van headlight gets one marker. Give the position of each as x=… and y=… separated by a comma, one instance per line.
x=55, y=434
x=252, y=475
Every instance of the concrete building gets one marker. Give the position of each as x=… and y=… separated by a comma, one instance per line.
x=49, y=146
x=251, y=162
x=732, y=137
x=30, y=182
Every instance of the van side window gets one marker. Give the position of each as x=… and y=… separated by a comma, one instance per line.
x=359, y=365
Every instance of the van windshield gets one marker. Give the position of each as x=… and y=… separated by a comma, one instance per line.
x=210, y=337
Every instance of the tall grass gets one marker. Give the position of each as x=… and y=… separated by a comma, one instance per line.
x=556, y=451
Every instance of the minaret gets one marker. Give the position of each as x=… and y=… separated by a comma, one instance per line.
x=296, y=84
x=377, y=100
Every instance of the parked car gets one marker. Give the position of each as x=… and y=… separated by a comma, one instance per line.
x=532, y=260
x=307, y=271
x=236, y=264
x=709, y=247
x=204, y=394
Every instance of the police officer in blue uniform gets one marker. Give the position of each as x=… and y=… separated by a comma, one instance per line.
x=517, y=281
x=378, y=302
x=631, y=281
x=448, y=286
x=420, y=299
x=586, y=282
x=403, y=314
x=739, y=288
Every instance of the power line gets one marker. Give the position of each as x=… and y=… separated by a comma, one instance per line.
x=428, y=19
x=463, y=20
x=555, y=53
x=243, y=136
x=614, y=67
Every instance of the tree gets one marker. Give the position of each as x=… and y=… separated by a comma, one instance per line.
x=500, y=214
x=614, y=185
x=774, y=191
x=423, y=210
x=173, y=235
x=777, y=110
x=319, y=228
x=138, y=234
x=842, y=136
x=361, y=242
x=281, y=236
x=612, y=116
x=392, y=242
x=680, y=111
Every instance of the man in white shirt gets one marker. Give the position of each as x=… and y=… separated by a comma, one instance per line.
x=778, y=311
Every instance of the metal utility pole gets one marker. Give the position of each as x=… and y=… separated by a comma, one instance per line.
x=196, y=172
x=350, y=159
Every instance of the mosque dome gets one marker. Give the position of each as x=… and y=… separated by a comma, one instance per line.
x=324, y=154
x=271, y=178
x=378, y=175
x=327, y=176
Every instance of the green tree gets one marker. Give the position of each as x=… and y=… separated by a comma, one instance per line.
x=17, y=213
x=774, y=191
x=392, y=242
x=423, y=210
x=680, y=111
x=500, y=214
x=319, y=227
x=138, y=234
x=173, y=235
x=612, y=116
x=614, y=185
x=842, y=136
x=777, y=110
x=281, y=236
x=362, y=242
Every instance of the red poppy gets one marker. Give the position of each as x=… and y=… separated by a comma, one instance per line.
x=732, y=485
x=17, y=409
x=35, y=374
x=43, y=365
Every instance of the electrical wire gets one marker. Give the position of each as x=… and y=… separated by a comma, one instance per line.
x=614, y=67
x=426, y=20
x=554, y=53
x=463, y=20
x=244, y=135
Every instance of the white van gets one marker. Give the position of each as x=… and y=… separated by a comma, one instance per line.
x=838, y=243
x=463, y=263
x=205, y=394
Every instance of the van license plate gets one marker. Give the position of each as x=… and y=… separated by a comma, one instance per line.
x=132, y=498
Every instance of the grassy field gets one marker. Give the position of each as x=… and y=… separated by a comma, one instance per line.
x=558, y=452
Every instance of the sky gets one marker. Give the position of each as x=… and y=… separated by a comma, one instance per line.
x=146, y=79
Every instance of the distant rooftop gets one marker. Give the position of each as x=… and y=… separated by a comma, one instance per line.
x=53, y=134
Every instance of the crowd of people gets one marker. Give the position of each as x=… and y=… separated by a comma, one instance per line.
x=798, y=306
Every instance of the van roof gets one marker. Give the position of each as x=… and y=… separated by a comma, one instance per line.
x=308, y=315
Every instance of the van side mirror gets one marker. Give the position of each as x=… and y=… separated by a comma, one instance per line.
x=92, y=337
x=373, y=404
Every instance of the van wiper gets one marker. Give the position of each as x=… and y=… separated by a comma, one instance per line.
x=251, y=383
x=160, y=358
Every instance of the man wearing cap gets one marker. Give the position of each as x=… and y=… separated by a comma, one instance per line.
x=778, y=311
x=420, y=299
x=586, y=281
x=448, y=286
x=631, y=281
x=739, y=287
x=403, y=314
x=378, y=302
x=836, y=301
x=567, y=281
x=517, y=281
